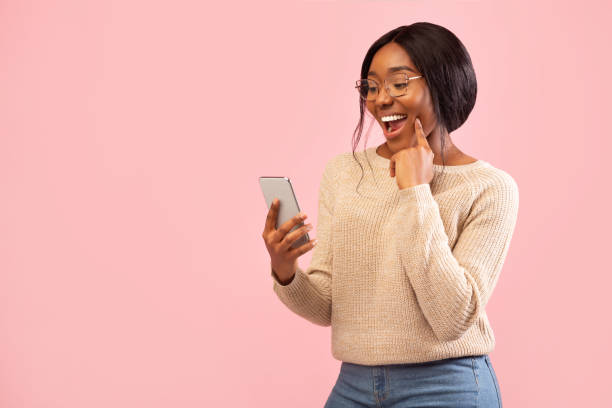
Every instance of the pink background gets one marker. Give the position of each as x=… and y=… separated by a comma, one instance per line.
x=132, y=135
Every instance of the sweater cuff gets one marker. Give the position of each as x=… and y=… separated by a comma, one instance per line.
x=277, y=282
x=421, y=194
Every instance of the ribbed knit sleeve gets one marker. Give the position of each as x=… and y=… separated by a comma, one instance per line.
x=452, y=286
x=309, y=293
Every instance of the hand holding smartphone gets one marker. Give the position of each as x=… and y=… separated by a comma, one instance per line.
x=281, y=188
x=285, y=234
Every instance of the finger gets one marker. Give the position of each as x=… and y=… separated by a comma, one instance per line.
x=418, y=130
x=302, y=249
x=294, y=236
x=280, y=233
x=420, y=133
x=272, y=215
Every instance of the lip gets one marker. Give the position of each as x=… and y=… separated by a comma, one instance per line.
x=390, y=135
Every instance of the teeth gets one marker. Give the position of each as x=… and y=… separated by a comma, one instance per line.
x=392, y=117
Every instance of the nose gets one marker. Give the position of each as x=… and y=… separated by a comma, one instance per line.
x=383, y=97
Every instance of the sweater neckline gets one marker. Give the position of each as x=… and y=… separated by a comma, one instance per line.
x=383, y=162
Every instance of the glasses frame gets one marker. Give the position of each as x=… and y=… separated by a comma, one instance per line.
x=386, y=86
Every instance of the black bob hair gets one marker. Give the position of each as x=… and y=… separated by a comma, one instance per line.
x=445, y=64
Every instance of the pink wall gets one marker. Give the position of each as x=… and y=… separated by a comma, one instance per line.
x=132, y=135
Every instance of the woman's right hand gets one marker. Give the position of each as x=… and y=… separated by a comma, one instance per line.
x=283, y=258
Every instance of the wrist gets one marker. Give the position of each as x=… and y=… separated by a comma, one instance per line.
x=284, y=277
x=283, y=282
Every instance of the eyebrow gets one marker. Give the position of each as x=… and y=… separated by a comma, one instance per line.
x=394, y=69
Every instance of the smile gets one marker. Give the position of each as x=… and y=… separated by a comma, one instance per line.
x=393, y=128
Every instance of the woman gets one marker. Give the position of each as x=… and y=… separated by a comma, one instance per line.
x=407, y=256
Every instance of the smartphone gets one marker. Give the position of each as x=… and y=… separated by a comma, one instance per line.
x=281, y=188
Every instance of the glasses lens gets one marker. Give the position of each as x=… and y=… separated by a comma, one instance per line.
x=367, y=89
x=398, y=84
x=362, y=88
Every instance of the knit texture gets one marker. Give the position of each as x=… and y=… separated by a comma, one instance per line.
x=403, y=276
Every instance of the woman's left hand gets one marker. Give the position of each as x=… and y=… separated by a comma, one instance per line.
x=413, y=165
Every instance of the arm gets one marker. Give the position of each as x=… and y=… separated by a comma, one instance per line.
x=453, y=286
x=308, y=293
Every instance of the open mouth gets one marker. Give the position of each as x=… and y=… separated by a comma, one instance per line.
x=394, y=125
x=392, y=128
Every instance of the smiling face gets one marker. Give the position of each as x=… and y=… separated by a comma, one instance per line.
x=415, y=103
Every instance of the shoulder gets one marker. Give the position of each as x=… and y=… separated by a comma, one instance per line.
x=489, y=177
x=494, y=188
x=337, y=164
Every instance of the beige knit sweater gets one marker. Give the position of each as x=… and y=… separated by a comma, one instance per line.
x=403, y=276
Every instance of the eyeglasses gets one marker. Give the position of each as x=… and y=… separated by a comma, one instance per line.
x=396, y=85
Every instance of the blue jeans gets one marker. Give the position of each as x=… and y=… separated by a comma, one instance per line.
x=453, y=382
